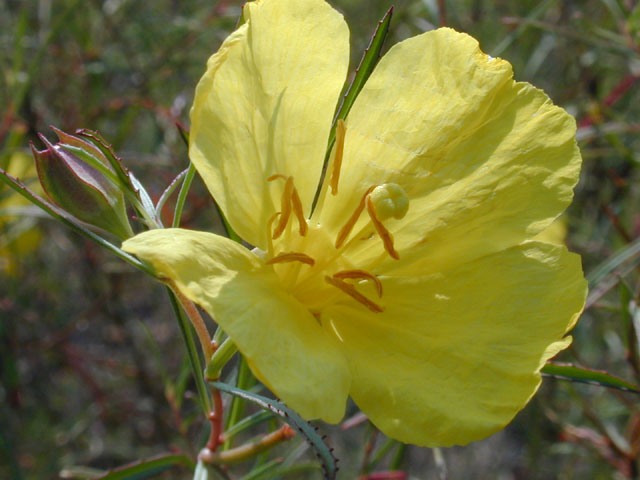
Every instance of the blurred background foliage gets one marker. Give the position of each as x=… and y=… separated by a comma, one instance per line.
x=92, y=369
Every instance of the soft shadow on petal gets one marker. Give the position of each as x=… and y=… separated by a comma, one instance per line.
x=294, y=356
x=457, y=354
x=487, y=162
x=265, y=107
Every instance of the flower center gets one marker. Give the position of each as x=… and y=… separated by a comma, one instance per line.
x=316, y=270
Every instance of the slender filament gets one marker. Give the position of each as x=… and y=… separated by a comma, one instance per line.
x=385, y=235
x=353, y=293
x=346, y=230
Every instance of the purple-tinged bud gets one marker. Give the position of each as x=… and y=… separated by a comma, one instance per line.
x=80, y=188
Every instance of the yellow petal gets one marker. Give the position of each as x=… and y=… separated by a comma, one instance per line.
x=486, y=162
x=555, y=233
x=455, y=355
x=265, y=107
x=283, y=342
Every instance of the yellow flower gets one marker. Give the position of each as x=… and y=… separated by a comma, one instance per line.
x=414, y=287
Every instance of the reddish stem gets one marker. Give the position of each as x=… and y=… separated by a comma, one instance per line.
x=390, y=475
x=215, y=417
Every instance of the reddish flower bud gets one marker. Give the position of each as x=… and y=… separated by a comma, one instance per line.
x=80, y=188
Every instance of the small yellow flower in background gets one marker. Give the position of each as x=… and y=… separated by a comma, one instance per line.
x=18, y=235
x=414, y=287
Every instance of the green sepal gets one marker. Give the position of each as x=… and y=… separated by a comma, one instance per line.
x=130, y=184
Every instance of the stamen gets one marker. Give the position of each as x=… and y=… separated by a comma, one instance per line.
x=346, y=230
x=353, y=293
x=285, y=205
x=290, y=200
x=292, y=257
x=385, y=235
x=361, y=275
x=297, y=209
x=275, y=177
x=269, y=230
x=341, y=130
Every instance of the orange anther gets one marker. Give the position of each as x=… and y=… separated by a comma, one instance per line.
x=346, y=230
x=353, y=293
x=341, y=131
x=292, y=257
x=290, y=201
x=360, y=275
x=285, y=205
x=269, y=230
x=297, y=209
x=385, y=235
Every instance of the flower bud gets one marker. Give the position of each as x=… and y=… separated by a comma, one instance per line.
x=80, y=188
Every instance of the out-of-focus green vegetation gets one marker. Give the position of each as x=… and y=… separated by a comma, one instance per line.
x=92, y=369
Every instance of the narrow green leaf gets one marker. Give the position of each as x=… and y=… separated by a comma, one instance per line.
x=169, y=191
x=182, y=196
x=629, y=312
x=184, y=133
x=308, y=431
x=244, y=381
x=248, y=422
x=367, y=64
x=148, y=467
x=567, y=371
x=628, y=253
x=264, y=471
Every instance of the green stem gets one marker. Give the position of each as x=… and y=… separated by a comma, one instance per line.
x=192, y=353
x=219, y=359
x=237, y=404
x=250, y=449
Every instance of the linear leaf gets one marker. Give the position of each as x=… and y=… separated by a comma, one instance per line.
x=573, y=373
x=628, y=253
x=323, y=452
x=144, y=468
x=368, y=62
